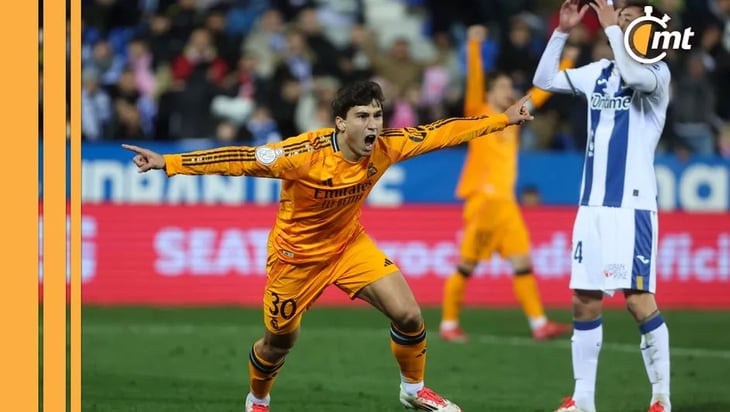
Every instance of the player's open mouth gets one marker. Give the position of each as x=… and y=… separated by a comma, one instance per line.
x=370, y=141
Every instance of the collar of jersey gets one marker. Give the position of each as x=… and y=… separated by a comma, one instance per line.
x=335, y=146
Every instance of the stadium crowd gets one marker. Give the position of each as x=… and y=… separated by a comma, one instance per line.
x=254, y=71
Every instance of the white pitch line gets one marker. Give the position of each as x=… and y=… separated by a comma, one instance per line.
x=486, y=339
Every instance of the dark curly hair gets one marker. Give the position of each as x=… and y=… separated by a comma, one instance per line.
x=641, y=4
x=359, y=93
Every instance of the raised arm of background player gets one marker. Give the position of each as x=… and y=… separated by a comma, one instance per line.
x=475, y=97
x=291, y=158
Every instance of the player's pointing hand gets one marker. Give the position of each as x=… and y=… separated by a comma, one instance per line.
x=145, y=159
x=518, y=113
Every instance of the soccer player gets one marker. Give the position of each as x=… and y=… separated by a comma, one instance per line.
x=615, y=229
x=492, y=218
x=317, y=239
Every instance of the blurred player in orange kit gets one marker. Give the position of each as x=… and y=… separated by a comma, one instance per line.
x=492, y=218
x=318, y=240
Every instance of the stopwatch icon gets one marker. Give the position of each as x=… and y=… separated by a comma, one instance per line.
x=638, y=38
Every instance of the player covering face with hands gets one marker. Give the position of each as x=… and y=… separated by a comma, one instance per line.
x=615, y=230
x=317, y=239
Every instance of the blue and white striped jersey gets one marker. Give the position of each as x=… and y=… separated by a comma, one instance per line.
x=624, y=126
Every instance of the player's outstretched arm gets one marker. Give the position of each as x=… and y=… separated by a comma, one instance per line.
x=145, y=159
x=474, y=96
x=636, y=75
x=548, y=74
x=270, y=160
x=220, y=161
x=540, y=96
x=409, y=142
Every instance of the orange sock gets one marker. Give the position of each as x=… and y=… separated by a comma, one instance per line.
x=261, y=374
x=525, y=288
x=409, y=350
x=453, y=297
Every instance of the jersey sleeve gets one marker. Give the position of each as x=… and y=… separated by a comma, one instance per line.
x=409, y=142
x=270, y=160
x=474, y=95
x=538, y=96
x=663, y=78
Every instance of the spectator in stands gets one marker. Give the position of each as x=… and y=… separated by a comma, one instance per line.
x=405, y=110
x=354, y=64
x=314, y=109
x=397, y=66
x=96, y=110
x=261, y=128
x=183, y=18
x=338, y=17
x=163, y=46
x=227, y=133
x=198, y=74
x=517, y=56
x=694, y=114
x=267, y=40
x=293, y=75
x=225, y=42
x=443, y=84
x=243, y=89
x=126, y=89
x=324, y=53
x=297, y=60
x=140, y=62
x=107, y=64
x=129, y=122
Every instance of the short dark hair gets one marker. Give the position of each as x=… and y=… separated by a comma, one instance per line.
x=358, y=93
x=641, y=4
x=491, y=76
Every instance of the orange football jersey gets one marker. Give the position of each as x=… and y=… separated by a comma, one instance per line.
x=322, y=192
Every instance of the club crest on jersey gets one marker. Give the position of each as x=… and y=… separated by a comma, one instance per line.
x=372, y=170
x=602, y=102
x=266, y=155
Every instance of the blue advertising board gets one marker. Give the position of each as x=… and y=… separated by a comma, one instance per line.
x=108, y=175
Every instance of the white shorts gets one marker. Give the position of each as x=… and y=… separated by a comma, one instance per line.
x=614, y=249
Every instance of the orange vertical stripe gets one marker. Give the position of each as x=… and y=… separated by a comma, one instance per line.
x=19, y=217
x=75, y=206
x=54, y=205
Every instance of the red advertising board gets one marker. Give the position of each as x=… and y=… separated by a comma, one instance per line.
x=215, y=255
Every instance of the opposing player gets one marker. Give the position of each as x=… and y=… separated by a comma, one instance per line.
x=492, y=218
x=615, y=230
x=318, y=240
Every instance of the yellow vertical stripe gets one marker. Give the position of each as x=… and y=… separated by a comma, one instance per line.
x=54, y=205
x=639, y=282
x=19, y=217
x=75, y=206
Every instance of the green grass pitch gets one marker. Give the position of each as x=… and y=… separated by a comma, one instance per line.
x=195, y=359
